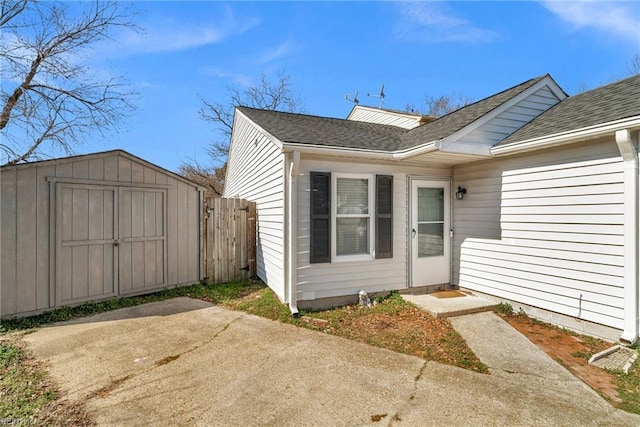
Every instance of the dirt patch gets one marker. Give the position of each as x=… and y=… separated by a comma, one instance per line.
x=405, y=329
x=571, y=351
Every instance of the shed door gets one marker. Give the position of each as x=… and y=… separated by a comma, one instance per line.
x=142, y=239
x=85, y=234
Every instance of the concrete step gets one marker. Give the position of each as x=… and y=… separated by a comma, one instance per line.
x=450, y=303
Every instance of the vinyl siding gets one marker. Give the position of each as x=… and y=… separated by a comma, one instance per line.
x=545, y=230
x=383, y=117
x=28, y=226
x=255, y=171
x=337, y=278
x=510, y=120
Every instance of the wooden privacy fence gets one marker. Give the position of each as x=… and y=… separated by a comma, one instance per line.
x=230, y=240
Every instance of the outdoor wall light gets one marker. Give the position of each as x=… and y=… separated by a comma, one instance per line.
x=460, y=193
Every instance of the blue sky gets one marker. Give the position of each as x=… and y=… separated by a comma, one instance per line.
x=472, y=49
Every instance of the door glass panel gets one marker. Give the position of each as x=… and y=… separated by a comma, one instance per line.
x=430, y=204
x=430, y=240
x=430, y=222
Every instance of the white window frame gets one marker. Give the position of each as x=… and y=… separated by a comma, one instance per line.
x=370, y=256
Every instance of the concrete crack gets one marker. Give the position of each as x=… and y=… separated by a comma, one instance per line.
x=114, y=384
x=396, y=415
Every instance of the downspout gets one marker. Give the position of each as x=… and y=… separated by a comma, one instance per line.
x=292, y=225
x=629, y=153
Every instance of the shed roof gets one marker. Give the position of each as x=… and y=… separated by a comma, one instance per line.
x=117, y=152
x=615, y=101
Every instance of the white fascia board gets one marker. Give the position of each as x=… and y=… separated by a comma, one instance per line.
x=445, y=143
x=359, y=153
x=465, y=148
x=335, y=151
x=590, y=132
x=416, y=151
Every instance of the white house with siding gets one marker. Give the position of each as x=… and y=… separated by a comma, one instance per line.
x=528, y=196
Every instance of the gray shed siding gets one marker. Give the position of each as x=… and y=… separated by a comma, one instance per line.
x=545, y=229
x=41, y=242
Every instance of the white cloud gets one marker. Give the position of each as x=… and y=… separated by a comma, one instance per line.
x=237, y=78
x=433, y=23
x=277, y=52
x=170, y=35
x=619, y=18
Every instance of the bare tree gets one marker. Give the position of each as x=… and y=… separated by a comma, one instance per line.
x=49, y=100
x=210, y=177
x=634, y=65
x=275, y=95
x=441, y=105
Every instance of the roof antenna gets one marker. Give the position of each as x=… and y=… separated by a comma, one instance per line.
x=380, y=95
x=355, y=99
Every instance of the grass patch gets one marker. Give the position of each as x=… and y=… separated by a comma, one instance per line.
x=24, y=387
x=212, y=293
x=629, y=388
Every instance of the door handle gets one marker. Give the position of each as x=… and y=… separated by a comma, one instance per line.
x=116, y=242
x=413, y=231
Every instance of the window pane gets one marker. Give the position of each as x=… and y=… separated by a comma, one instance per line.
x=430, y=204
x=430, y=240
x=352, y=236
x=352, y=196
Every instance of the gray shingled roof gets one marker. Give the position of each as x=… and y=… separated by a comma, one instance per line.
x=330, y=132
x=608, y=103
x=456, y=120
x=605, y=104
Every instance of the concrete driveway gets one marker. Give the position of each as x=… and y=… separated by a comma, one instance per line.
x=186, y=362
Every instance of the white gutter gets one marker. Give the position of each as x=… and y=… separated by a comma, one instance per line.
x=292, y=223
x=289, y=147
x=567, y=137
x=629, y=152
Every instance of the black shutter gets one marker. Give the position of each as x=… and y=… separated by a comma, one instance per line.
x=320, y=217
x=384, y=216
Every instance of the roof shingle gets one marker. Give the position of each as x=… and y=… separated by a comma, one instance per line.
x=325, y=131
x=605, y=104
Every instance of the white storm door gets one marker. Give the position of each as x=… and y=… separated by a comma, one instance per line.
x=429, y=233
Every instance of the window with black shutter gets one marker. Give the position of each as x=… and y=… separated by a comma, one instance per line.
x=320, y=217
x=384, y=216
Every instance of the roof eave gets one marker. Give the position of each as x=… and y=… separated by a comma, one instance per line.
x=591, y=132
x=336, y=151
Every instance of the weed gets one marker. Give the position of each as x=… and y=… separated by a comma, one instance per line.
x=582, y=355
x=504, y=309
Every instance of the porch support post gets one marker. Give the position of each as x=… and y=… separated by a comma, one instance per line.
x=292, y=228
x=629, y=152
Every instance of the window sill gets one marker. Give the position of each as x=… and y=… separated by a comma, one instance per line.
x=338, y=259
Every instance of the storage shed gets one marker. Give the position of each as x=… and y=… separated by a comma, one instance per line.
x=94, y=226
